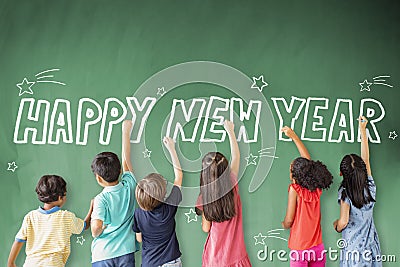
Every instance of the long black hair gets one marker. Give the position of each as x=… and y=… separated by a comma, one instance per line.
x=311, y=174
x=355, y=181
x=216, y=188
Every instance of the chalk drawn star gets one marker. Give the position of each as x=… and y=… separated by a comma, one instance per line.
x=147, y=153
x=80, y=240
x=191, y=216
x=365, y=85
x=25, y=87
x=161, y=91
x=251, y=160
x=392, y=135
x=255, y=80
x=12, y=166
x=260, y=239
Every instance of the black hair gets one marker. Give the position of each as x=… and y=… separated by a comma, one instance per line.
x=107, y=166
x=311, y=174
x=355, y=181
x=216, y=188
x=50, y=188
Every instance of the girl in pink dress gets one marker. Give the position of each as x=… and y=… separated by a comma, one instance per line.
x=221, y=208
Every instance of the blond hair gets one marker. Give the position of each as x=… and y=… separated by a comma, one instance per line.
x=150, y=191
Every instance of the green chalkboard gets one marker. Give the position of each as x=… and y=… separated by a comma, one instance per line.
x=71, y=71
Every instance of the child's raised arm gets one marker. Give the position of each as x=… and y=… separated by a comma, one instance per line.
x=299, y=144
x=235, y=152
x=364, y=143
x=170, y=145
x=126, y=146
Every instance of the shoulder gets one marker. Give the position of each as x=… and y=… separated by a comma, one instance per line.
x=128, y=176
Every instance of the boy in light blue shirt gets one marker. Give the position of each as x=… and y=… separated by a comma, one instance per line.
x=114, y=241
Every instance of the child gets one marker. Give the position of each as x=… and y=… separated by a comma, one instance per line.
x=154, y=221
x=47, y=230
x=114, y=241
x=221, y=208
x=357, y=200
x=303, y=214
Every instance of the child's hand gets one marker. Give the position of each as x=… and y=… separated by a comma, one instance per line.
x=169, y=143
x=229, y=126
x=127, y=126
x=288, y=132
x=362, y=121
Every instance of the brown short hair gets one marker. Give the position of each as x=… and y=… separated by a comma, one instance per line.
x=150, y=191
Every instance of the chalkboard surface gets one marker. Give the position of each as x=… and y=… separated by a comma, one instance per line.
x=71, y=71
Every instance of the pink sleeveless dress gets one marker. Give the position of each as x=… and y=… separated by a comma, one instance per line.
x=225, y=245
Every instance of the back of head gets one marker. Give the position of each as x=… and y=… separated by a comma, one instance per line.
x=355, y=180
x=216, y=188
x=150, y=191
x=107, y=165
x=50, y=188
x=311, y=174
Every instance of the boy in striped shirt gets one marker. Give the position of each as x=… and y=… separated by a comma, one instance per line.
x=47, y=230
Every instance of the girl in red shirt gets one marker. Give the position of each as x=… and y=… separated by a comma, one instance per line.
x=303, y=214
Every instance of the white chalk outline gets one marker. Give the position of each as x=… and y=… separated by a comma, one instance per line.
x=362, y=86
x=80, y=240
x=245, y=115
x=31, y=117
x=161, y=91
x=255, y=86
x=371, y=122
x=188, y=215
x=111, y=123
x=315, y=115
x=219, y=120
x=252, y=161
x=342, y=132
x=288, y=109
x=393, y=135
x=140, y=108
x=67, y=136
x=88, y=123
x=147, y=153
x=262, y=237
x=12, y=166
x=273, y=234
x=47, y=76
x=187, y=114
x=264, y=152
x=30, y=84
x=378, y=80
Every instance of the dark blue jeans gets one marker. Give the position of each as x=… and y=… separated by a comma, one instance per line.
x=127, y=260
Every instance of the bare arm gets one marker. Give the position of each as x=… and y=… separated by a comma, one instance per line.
x=170, y=145
x=97, y=227
x=15, y=249
x=126, y=146
x=139, y=237
x=88, y=215
x=342, y=222
x=205, y=224
x=364, y=143
x=291, y=209
x=299, y=144
x=235, y=152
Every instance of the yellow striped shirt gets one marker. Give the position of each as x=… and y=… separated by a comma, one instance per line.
x=47, y=235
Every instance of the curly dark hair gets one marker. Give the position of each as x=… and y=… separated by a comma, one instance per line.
x=311, y=174
x=107, y=165
x=355, y=181
x=50, y=187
